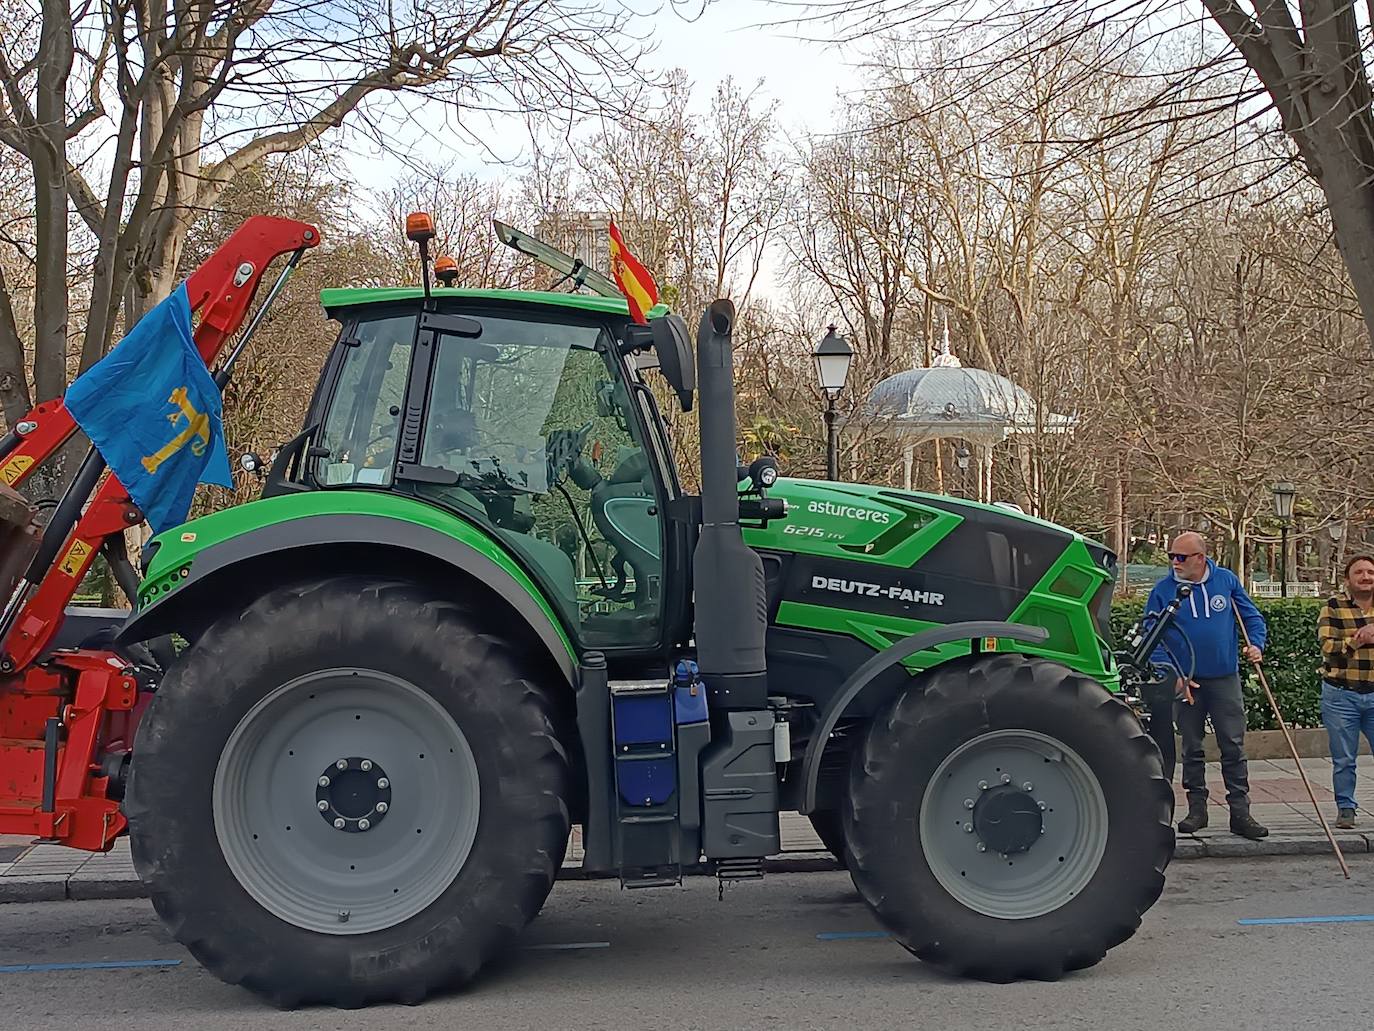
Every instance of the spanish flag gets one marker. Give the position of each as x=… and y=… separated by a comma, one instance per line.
x=632, y=278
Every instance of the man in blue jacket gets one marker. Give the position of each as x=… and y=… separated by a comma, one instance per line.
x=1211, y=653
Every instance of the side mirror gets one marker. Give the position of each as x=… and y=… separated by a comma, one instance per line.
x=673, y=347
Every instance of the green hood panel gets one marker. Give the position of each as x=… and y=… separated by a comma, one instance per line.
x=865, y=555
x=867, y=523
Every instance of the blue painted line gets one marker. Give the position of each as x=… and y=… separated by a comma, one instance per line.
x=127, y=964
x=841, y=936
x=1357, y=919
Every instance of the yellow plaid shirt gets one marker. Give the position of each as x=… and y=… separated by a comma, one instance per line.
x=1344, y=664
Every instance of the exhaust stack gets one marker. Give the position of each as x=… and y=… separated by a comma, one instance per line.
x=731, y=616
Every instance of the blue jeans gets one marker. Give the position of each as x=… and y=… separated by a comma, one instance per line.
x=1345, y=715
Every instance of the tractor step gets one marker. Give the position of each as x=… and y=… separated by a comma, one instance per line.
x=734, y=870
x=647, y=833
x=653, y=877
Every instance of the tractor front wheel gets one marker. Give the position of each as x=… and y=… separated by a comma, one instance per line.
x=351, y=792
x=1008, y=819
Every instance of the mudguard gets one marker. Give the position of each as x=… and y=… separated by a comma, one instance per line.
x=885, y=660
x=194, y=562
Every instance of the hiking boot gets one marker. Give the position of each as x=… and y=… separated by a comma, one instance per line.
x=1244, y=824
x=1195, y=820
x=1345, y=819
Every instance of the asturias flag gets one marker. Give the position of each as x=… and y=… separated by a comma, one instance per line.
x=632, y=278
x=153, y=411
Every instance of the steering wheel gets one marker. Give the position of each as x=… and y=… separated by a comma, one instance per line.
x=562, y=449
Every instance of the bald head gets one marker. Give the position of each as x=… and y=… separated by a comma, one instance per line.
x=1189, y=541
x=1188, y=555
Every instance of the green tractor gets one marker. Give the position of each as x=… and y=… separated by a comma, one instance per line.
x=474, y=606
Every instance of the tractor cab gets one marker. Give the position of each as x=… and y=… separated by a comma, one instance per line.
x=527, y=414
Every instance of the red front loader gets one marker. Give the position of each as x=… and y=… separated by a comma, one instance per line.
x=69, y=708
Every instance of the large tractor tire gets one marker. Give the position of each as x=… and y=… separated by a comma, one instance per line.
x=1008, y=819
x=349, y=793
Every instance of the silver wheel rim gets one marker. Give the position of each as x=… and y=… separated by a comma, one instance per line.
x=1063, y=856
x=269, y=793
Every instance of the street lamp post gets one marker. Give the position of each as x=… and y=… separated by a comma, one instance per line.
x=1284, y=493
x=833, y=355
x=962, y=456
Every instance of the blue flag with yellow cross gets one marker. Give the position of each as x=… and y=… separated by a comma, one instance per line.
x=153, y=411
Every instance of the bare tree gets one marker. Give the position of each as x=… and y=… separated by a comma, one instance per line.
x=1310, y=59
x=170, y=103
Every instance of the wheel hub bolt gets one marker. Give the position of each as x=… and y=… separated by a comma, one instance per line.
x=366, y=764
x=382, y=807
x=1041, y=805
x=968, y=828
x=383, y=783
x=342, y=764
x=364, y=824
x=968, y=803
x=982, y=847
x=982, y=785
x=1006, y=778
x=322, y=806
x=1028, y=787
x=338, y=823
x=323, y=782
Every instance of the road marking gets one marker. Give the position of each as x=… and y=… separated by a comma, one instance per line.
x=127, y=964
x=841, y=936
x=568, y=946
x=1356, y=919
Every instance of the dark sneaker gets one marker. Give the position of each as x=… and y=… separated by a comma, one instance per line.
x=1195, y=820
x=1244, y=824
x=1345, y=819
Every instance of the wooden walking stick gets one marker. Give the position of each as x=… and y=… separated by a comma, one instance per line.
x=1273, y=704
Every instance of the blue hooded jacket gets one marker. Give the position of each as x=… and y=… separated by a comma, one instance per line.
x=1208, y=621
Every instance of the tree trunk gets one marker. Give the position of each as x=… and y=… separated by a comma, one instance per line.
x=15, y=400
x=48, y=156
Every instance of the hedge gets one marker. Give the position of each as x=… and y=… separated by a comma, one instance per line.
x=1292, y=660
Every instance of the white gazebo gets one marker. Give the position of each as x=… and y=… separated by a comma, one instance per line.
x=948, y=401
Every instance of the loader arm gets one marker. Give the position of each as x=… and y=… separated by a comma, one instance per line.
x=221, y=290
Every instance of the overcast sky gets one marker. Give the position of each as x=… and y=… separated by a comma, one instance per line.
x=804, y=78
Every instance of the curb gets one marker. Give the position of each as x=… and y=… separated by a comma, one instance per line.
x=60, y=887
x=1311, y=743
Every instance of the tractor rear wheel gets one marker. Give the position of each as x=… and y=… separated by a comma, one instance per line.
x=352, y=792
x=1008, y=819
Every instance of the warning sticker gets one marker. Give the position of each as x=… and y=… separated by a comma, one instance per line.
x=76, y=558
x=15, y=468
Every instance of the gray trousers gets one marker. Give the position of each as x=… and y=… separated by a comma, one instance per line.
x=1221, y=699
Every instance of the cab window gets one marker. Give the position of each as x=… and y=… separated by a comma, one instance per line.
x=359, y=430
x=539, y=432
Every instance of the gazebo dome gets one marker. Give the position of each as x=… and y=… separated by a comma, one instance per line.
x=950, y=401
x=947, y=400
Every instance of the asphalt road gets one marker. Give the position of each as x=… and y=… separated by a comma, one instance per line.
x=680, y=959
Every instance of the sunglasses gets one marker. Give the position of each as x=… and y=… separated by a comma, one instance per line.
x=1175, y=557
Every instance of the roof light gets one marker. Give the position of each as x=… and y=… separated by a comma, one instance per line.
x=446, y=269
x=419, y=227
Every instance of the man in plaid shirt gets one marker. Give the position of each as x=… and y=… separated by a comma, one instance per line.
x=1346, y=631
